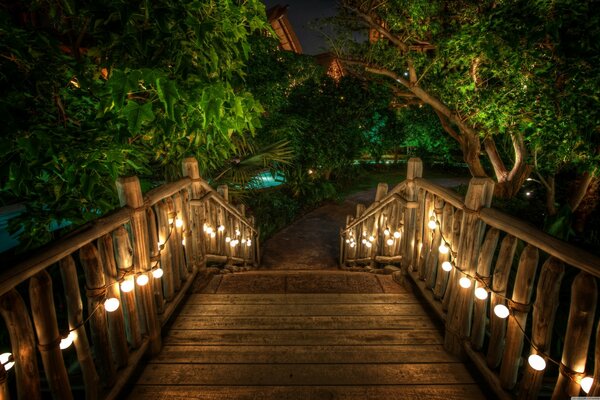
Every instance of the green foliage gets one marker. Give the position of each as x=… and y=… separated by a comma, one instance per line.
x=94, y=91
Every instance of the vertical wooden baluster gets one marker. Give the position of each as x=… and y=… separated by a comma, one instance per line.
x=380, y=193
x=414, y=170
x=155, y=260
x=130, y=193
x=434, y=254
x=44, y=319
x=451, y=285
x=458, y=320
x=166, y=261
x=360, y=209
x=95, y=282
x=188, y=238
x=116, y=322
x=517, y=319
x=484, y=265
x=441, y=280
x=190, y=169
x=4, y=390
x=125, y=263
x=22, y=340
x=544, y=311
x=176, y=255
x=178, y=205
x=499, y=283
x=420, y=228
x=584, y=294
x=427, y=236
x=595, y=389
x=75, y=313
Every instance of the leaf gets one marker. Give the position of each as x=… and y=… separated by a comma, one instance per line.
x=137, y=114
x=168, y=95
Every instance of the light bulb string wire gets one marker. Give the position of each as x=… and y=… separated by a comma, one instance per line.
x=572, y=375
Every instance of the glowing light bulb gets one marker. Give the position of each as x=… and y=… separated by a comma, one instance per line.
x=369, y=244
x=501, y=311
x=183, y=242
x=249, y=243
x=227, y=239
x=352, y=245
x=161, y=244
x=390, y=242
x=233, y=243
x=213, y=234
x=243, y=241
x=386, y=232
x=170, y=221
x=432, y=224
x=536, y=362
x=204, y=227
x=178, y=223
x=364, y=234
x=447, y=266
x=464, y=282
x=127, y=285
x=111, y=304
x=66, y=342
x=481, y=293
x=586, y=383
x=4, y=357
x=371, y=239
x=221, y=228
x=444, y=249
x=237, y=232
x=209, y=230
x=158, y=273
x=347, y=240
x=364, y=241
x=396, y=234
x=142, y=280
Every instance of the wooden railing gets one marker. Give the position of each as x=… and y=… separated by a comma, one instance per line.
x=109, y=287
x=498, y=303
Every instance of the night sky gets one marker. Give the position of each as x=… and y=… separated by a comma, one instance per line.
x=301, y=13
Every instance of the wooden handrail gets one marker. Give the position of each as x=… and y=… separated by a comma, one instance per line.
x=53, y=252
x=215, y=196
x=449, y=196
x=372, y=211
x=167, y=190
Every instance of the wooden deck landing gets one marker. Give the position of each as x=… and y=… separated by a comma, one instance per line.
x=304, y=345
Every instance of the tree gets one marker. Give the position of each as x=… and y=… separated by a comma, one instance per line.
x=510, y=79
x=91, y=91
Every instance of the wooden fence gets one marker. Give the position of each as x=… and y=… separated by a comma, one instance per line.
x=122, y=277
x=494, y=280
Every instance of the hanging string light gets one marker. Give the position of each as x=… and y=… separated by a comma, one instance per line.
x=432, y=224
x=111, y=304
x=67, y=341
x=7, y=360
x=537, y=362
x=481, y=293
x=464, y=282
x=447, y=266
x=389, y=242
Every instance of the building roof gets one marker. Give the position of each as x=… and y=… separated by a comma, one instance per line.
x=277, y=17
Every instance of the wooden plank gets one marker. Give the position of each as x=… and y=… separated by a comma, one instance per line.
x=430, y=392
x=302, y=337
x=302, y=298
x=167, y=190
x=448, y=195
x=303, y=322
x=301, y=309
x=174, y=354
x=305, y=374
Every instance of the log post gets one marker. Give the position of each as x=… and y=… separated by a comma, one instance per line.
x=4, y=391
x=116, y=321
x=68, y=273
x=420, y=227
x=441, y=279
x=223, y=191
x=130, y=194
x=519, y=309
x=484, y=265
x=584, y=294
x=499, y=284
x=125, y=264
x=414, y=170
x=166, y=261
x=44, y=319
x=22, y=340
x=174, y=243
x=95, y=283
x=188, y=239
x=458, y=321
x=178, y=239
x=544, y=311
x=432, y=261
x=190, y=169
x=451, y=285
x=426, y=236
x=380, y=193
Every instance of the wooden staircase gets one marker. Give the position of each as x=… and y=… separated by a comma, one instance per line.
x=378, y=343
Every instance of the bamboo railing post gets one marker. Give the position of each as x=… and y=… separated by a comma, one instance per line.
x=458, y=320
x=441, y=280
x=188, y=239
x=450, y=287
x=595, y=389
x=178, y=231
x=116, y=322
x=95, y=282
x=499, y=284
x=166, y=260
x=427, y=239
x=420, y=227
x=190, y=169
x=584, y=294
x=519, y=309
x=75, y=313
x=4, y=390
x=130, y=193
x=484, y=265
x=44, y=319
x=176, y=255
x=414, y=170
x=223, y=191
x=380, y=193
x=431, y=265
x=22, y=340
x=544, y=311
x=125, y=264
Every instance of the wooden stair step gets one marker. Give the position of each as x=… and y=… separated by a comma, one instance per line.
x=302, y=309
x=302, y=298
